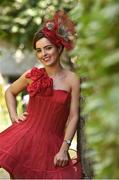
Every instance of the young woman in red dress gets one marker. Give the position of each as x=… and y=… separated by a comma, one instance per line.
x=36, y=145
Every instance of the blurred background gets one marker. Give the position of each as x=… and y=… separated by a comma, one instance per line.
x=95, y=59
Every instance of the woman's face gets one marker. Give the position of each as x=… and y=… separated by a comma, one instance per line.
x=47, y=52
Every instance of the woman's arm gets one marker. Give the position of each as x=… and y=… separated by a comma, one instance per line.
x=61, y=159
x=10, y=97
x=74, y=110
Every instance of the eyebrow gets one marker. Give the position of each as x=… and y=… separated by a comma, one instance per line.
x=44, y=46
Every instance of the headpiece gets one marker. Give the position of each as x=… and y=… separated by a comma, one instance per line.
x=60, y=30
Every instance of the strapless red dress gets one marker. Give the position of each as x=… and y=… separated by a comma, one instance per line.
x=27, y=149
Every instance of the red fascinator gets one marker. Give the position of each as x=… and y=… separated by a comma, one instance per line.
x=60, y=30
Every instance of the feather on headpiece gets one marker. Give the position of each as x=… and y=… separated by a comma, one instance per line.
x=60, y=30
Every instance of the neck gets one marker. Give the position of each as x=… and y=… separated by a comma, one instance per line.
x=53, y=70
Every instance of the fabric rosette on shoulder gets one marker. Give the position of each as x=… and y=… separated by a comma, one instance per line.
x=41, y=83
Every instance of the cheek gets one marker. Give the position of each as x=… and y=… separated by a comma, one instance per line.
x=38, y=55
x=54, y=54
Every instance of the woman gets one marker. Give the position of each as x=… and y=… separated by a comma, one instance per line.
x=37, y=143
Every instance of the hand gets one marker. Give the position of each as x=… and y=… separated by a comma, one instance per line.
x=61, y=158
x=19, y=118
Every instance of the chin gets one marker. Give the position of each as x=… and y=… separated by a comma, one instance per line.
x=49, y=63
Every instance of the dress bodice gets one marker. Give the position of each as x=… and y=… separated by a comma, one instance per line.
x=51, y=103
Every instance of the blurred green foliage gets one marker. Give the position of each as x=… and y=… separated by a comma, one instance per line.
x=98, y=64
x=97, y=54
x=20, y=19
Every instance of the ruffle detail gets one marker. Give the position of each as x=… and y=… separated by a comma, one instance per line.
x=19, y=171
x=41, y=82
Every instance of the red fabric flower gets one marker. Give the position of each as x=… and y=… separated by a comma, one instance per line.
x=41, y=82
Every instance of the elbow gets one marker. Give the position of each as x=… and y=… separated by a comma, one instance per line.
x=8, y=93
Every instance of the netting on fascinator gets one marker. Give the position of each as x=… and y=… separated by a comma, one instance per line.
x=60, y=30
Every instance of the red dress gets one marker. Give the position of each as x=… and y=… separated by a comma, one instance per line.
x=27, y=149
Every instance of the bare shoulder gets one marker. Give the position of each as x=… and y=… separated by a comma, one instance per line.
x=20, y=84
x=24, y=75
x=74, y=83
x=72, y=78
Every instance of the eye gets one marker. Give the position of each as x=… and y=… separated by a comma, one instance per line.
x=38, y=50
x=49, y=47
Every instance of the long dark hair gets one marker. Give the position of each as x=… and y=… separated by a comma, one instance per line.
x=38, y=35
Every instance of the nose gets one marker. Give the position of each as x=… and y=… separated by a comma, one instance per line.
x=44, y=53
